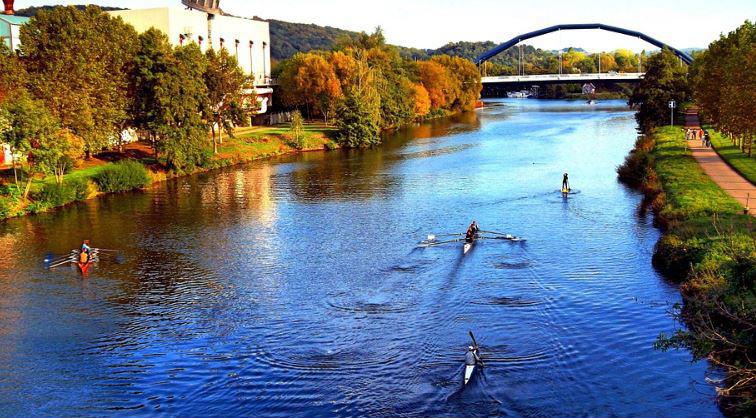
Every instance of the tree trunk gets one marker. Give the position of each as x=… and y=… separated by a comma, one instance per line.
x=28, y=185
x=220, y=130
x=60, y=172
x=13, y=161
x=215, y=143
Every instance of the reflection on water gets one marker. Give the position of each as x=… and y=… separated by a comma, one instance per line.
x=294, y=287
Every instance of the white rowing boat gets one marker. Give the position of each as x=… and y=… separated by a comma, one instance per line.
x=468, y=246
x=469, y=369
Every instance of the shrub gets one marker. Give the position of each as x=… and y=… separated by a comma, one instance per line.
x=296, y=142
x=4, y=208
x=55, y=195
x=122, y=176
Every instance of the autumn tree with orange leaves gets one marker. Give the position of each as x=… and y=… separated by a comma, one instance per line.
x=309, y=80
x=400, y=91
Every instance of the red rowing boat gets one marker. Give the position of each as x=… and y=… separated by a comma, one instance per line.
x=84, y=267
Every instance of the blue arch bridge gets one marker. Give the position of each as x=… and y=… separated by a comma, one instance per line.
x=499, y=85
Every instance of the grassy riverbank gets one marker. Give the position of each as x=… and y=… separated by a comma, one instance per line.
x=106, y=173
x=708, y=245
x=732, y=154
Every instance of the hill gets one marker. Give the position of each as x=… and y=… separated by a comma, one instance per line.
x=31, y=11
x=288, y=38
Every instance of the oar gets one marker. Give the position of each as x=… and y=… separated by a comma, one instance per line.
x=119, y=258
x=511, y=239
x=433, y=244
x=58, y=264
x=55, y=259
x=494, y=232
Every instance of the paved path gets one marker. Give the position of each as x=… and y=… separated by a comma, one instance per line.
x=722, y=174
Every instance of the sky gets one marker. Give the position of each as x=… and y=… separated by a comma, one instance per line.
x=433, y=23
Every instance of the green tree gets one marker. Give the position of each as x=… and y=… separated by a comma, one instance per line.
x=181, y=101
x=171, y=99
x=57, y=153
x=154, y=56
x=30, y=125
x=666, y=79
x=225, y=82
x=13, y=74
x=296, y=129
x=80, y=62
x=723, y=83
x=359, y=112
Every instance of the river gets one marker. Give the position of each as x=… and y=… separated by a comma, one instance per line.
x=295, y=287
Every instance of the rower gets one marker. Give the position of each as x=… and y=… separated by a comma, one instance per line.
x=471, y=357
x=566, y=183
x=472, y=232
x=85, y=252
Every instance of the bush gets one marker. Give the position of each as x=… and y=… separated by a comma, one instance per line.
x=122, y=176
x=55, y=195
x=4, y=208
x=298, y=143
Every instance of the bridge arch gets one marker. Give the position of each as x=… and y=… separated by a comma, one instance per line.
x=576, y=26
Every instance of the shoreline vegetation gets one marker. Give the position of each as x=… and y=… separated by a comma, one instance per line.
x=136, y=168
x=708, y=244
x=83, y=79
x=708, y=247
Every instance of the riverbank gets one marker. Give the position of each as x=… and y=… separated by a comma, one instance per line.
x=708, y=246
x=248, y=144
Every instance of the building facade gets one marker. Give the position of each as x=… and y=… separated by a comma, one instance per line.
x=246, y=39
x=10, y=26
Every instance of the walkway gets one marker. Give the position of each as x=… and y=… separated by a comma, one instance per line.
x=722, y=174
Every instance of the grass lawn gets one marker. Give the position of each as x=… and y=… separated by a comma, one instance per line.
x=738, y=160
x=689, y=190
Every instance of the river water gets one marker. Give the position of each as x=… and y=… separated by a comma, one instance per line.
x=295, y=287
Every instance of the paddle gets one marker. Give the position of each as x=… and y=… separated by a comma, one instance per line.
x=475, y=344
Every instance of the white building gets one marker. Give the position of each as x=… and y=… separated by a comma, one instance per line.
x=10, y=27
x=246, y=39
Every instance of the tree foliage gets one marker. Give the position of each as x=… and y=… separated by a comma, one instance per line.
x=81, y=63
x=724, y=84
x=666, y=79
x=365, y=72
x=31, y=131
x=225, y=82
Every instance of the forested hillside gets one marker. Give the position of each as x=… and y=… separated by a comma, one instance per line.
x=31, y=11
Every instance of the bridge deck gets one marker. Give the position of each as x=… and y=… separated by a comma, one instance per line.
x=565, y=78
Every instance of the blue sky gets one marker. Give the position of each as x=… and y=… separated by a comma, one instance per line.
x=432, y=23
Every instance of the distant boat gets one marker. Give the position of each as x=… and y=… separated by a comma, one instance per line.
x=522, y=94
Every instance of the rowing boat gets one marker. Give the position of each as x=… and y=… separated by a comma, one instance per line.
x=84, y=267
x=469, y=369
x=468, y=245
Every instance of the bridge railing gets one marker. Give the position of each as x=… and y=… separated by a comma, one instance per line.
x=566, y=77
